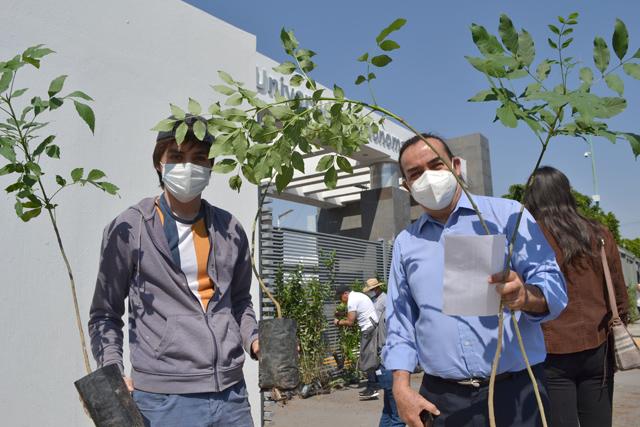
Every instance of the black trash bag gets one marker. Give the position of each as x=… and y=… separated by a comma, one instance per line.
x=107, y=399
x=278, y=354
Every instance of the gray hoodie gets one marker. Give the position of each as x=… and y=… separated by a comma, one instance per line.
x=175, y=346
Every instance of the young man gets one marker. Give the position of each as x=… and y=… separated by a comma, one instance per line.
x=184, y=266
x=456, y=352
x=360, y=308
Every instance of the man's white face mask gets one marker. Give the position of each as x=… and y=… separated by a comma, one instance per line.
x=185, y=181
x=371, y=294
x=434, y=189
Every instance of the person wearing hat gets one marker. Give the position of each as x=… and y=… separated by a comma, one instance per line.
x=360, y=308
x=184, y=266
x=373, y=289
x=390, y=416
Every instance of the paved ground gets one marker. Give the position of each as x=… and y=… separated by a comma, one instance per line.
x=342, y=407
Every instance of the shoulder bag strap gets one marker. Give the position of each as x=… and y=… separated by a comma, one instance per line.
x=607, y=276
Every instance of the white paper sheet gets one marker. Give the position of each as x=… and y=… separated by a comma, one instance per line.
x=468, y=263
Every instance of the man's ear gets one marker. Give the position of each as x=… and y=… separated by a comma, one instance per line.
x=405, y=185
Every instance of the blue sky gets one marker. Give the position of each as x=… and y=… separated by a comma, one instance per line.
x=429, y=80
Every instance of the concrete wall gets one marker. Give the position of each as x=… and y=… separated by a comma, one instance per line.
x=474, y=149
x=133, y=58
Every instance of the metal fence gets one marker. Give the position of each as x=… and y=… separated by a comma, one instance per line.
x=355, y=260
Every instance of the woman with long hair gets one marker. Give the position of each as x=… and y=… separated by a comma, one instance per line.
x=579, y=365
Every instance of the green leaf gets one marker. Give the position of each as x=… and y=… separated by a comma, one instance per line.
x=508, y=34
x=381, y=60
x=221, y=146
x=634, y=141
x=482, y=96
x=586, y=76
x=108, y=187
x=620, y=39
x=297, y=161
x=8, y=152
x=394, y=26
x=331, y=177
x=286, y=67
x=181, y=132
x=233, y=100
x=554, y=29
x=5, y=80
x=615, y=83
x=199, y=130
x=53, y=151
x=14, y=187
x=389, y=45
x=61, y=181
x=165, y=125
x=214, y=108
x=567, y=42
x=289, y=41
x=338, y=92
x=235, y=183
x=40, y=148
x=240, y=145
x=281, y=112
x=543, y=70
x=283, y=179
x=225, y=77
x=296, y=80
x=552, y=44
x=371, y=76
x=19, y=92
x=637, y=54
x=610, y=107
x=526, y=48
x=28, y=215
x=225, y=90
x=487, y=43
x=177, y=112
x=194, y=107
x=507, y=117
x=224, y=166
x=76, y=174
x=79, y=94
x=56, y=85
x=601, y=54
x=325, y=162
x=86, y=113
x=95, y=174
x=360, y=79
x=344, y=165
x=632, y=70
x=364, y=57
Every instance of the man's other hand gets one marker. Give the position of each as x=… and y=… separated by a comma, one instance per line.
x=255, y=349
x=129, y=383
x=410, y=403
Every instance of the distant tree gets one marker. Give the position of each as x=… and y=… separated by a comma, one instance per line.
x=632, y=245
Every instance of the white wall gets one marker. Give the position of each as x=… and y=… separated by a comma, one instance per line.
x=133, y=57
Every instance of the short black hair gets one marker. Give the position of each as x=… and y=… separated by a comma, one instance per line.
x=420, y=138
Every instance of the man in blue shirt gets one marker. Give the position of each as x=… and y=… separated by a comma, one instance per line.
x=456, y=352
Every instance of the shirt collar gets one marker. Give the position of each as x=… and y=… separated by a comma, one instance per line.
x=463, y=204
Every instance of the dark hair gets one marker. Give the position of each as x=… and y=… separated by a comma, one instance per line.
x=166, y=138
x=551, y=203
x=415, y=139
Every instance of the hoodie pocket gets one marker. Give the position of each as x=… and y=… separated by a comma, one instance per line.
x=230, y=342
x=186, y=347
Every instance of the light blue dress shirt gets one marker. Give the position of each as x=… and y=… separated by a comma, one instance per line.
x=460, y=347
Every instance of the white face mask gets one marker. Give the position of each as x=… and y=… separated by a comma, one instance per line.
x=434, y=189
x=185, y=181
x=371, y=294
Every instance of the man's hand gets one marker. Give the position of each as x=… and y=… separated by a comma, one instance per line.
x=410, y=403
x=336, y=322
x=518, y=296
x=129, y=382
x=255, y=348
